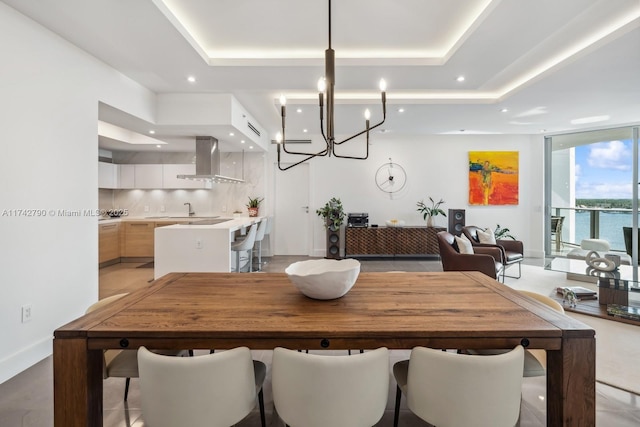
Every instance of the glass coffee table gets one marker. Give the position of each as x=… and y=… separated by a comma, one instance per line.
x=618, y=290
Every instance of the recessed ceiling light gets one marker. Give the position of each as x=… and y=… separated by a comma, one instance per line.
x=305, y=130
x=191, y=79
x=152, y=131
x=242, y=141
x=158, y=146
x=460, y=78
x=400, y=110
x=504, y=110
x=251, y=147
x=542, y=130
x=299, y=110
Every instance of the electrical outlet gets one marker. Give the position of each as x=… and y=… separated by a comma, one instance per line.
x=224, y=209
x=146, y=209
x=26, y=313
x=198, y=244
x=162, y=208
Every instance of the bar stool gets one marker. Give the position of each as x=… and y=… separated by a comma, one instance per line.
x=245, y=245
x=262, y=231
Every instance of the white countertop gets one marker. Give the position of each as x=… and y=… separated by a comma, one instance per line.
x=231, y=224
x=178, y=219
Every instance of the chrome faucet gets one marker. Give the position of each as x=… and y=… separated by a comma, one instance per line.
x=191, y=212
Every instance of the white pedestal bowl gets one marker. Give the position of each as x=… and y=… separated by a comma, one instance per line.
x=324, y=279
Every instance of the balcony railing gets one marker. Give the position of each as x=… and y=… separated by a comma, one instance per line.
x=594, y=223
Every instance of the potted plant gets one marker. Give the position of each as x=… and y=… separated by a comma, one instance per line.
x=503, y=233
x=333, y=214
x=253, y=205
x=428, y=212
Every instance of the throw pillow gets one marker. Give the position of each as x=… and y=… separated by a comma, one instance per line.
x=487, y=236
x=464, y=245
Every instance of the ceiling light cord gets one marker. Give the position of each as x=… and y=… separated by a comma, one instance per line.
x=326, y=86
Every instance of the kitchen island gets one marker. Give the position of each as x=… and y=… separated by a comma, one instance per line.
x=198, y=246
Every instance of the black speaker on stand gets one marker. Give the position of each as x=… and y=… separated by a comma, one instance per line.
x=456, y=221
x=333, y=244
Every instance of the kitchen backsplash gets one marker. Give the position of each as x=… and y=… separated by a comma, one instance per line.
x=222, y=199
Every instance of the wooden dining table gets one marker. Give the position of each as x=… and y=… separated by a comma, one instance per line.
x=447, y=310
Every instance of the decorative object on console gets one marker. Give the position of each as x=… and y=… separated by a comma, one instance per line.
x=428, y=212
x=493, y=178
x=333, y=215
x=569, y=296
x=624, y=311
x=254, y=206
x=580, y=292
x=595, y=261
x=327, y=83
x=394, y=223
x=324, y=278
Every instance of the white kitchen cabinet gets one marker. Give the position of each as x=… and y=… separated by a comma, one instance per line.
x=169, y=179
x=127, y=176
x=148, y=176
x=107, y=175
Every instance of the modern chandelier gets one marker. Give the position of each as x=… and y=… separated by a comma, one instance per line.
x=327, y=84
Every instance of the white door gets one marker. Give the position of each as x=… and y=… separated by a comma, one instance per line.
x=291, y=217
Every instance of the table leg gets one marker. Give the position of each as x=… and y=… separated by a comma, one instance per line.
x=571, y=383
x=77, y=384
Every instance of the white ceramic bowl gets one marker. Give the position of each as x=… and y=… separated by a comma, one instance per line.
x=394, y=223
x=324, y=278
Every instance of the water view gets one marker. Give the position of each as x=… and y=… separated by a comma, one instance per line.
x=611, y=224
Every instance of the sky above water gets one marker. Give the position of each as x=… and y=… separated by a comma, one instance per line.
x=604, y=170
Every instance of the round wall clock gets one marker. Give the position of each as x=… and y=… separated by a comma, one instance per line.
x=391, y=177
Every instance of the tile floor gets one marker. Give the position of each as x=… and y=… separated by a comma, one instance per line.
x=27, y=399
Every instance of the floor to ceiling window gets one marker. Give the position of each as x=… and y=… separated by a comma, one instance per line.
x=592, y=189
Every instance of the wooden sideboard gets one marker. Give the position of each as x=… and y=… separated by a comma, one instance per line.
x=392, y=241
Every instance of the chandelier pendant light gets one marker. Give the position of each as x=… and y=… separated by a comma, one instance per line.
x=326, y=85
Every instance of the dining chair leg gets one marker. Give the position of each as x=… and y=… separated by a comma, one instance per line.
x=396, y=412
x=261, y=404
x=126, y=389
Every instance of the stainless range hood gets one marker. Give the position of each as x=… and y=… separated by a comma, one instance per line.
x=208, y=162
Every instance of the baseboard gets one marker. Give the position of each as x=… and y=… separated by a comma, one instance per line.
x=25, y=358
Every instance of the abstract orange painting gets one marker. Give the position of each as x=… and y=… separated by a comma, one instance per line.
x=493, y=177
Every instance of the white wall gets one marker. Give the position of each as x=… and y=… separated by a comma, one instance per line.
x=48, y=161
x=436, y=166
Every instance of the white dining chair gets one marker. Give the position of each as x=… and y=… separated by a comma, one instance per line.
x=245, y=245
x=123, y=363
x=260, y=234
x=311, y=390
x=452, y=390
x=214, y=390
x=535, y=360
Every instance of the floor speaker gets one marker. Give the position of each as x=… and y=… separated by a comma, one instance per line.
x=456, y=221
x=333, y=244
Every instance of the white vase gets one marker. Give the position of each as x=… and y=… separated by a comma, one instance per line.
x=429, y=221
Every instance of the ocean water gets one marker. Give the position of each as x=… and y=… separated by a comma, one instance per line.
x=611, y=224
